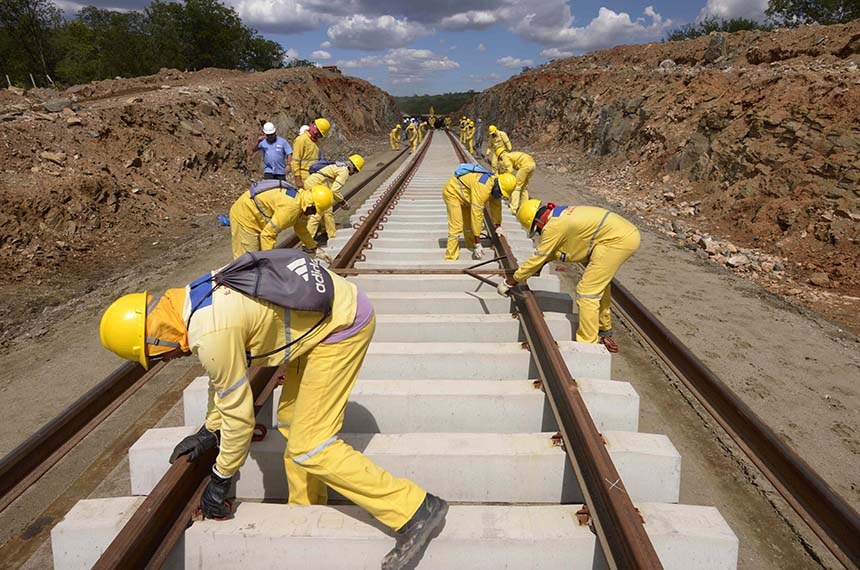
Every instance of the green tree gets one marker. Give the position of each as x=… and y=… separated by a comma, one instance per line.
x=713, y=24
x=796, y=12
x=443, y=103
x=25, y=31
x=261, y=54
x=165, y=24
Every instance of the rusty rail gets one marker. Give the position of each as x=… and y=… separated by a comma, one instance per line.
x=829, y=516
x=617, y=523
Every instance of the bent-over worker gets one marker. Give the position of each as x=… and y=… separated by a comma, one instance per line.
x=524, y=166
x=333, y=176
x=394, y=137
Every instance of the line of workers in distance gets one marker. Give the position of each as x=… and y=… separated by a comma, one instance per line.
x=322, y=352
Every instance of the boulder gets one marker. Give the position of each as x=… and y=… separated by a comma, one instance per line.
x=58, y=158
x=820, y=279
x=738, y=260
x=56, y=105
x=716, y=49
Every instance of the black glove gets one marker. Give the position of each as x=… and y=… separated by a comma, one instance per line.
x=214, y=502
x=195, y=445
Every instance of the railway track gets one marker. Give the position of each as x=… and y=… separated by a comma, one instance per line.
x=470, y=394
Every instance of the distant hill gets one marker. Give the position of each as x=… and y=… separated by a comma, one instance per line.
x=443, y=104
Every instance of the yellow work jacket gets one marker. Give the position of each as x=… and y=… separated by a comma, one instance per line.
x=273, y=211
x=475, y=190
x=411, y=132
x=305, y=154
x=570, y=234
x=515, y=160
x=226, y=327
x=395, y=133
x=334, y=176
x=498, y=140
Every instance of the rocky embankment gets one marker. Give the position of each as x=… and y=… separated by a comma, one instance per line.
x=753, y=137
x=93, y=177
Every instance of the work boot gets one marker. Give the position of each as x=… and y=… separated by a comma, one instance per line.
x=413, y=537
x=609, y=343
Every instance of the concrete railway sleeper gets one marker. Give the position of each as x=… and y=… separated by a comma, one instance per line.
x=451, y=394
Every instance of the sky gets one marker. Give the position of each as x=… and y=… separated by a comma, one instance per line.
x=436, y=46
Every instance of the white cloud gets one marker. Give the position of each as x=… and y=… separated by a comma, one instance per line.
x=471, y=20
x=320, y=54
x=728, y=9
x=513, y=62
x=404, y=65
x=555, y=53
x=280, y=16
x=290, y=55
x=325, y=45
x=374, y=33
x=482, y=47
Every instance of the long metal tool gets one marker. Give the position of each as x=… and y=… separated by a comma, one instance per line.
x=829, y=516
x=618, y=525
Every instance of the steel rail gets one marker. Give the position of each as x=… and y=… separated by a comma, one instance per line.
x=829, y=516
x=618, y=525
x=158, y=524
x=30, y=460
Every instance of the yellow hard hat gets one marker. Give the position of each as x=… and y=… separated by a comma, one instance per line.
x=322, y=126
x=526, y=214
x=492, y=129
x=322, y=197
x=500, y=151
x=357, y=160
x=507, y=183
x=123, y=328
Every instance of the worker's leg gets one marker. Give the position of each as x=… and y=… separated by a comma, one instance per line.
x=494, y=163
x=243, y=240
x=314, y=224
x=305, y=489
x=328, y=379
x=468, y=231
x=592, y=291
x=524, y=175
x=330, y=226
x=455, y=228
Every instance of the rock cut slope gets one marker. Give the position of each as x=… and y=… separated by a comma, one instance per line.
x=754, y=136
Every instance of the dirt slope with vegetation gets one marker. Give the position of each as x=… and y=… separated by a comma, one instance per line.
x=98, y=176
x=753, y=137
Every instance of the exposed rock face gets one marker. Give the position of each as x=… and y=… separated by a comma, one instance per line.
x=147, y=155
x=761, y=130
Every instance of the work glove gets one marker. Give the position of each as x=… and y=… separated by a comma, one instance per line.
x=504, y=288
x=214, y=503
x=323, y=255
x=499, y=231
x=195, y=445
x=478, y=252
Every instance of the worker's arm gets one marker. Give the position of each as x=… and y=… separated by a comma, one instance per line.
x=284, y=216
x=547, y=250
x=295, y=165
x=479, y=196
x=288, y=161
x=506, y=141
x=300, y=226
x=231, y=404
x=338, y=182
x=496, y=211
x=254, y=146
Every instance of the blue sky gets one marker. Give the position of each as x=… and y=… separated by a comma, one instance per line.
x=434, y=46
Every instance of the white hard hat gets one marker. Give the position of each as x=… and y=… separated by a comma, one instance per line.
x=303, y=128
x=269, y=129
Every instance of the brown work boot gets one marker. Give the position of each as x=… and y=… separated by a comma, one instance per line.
x=413, y=537
x=609, y=343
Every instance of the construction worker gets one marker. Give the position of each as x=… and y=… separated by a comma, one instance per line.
x=262, y=212
x=524, y=166
x=305, y=149
x=572, y=234
x=448, y=123
x=422, y=131
x=412, y=134
x=470, y=136
x=463, y=130
x=465, y=196
x=479, y=136
x=277, y=153
x=228, y=329
x=333, y=176
x=497, y=140
x=394, y=137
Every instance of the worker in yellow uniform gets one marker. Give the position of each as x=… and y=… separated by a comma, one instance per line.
x=524, y=166
x=470, y=136
x=320, y=328
x=271, y=206
x=422, y=131
x=412, y=135
x=394, y=137
x=448, y=123
x=465, y=194
x=334, y=176
x=463, y=130
x=601, y=239
x=305, y=149
x=497, y=140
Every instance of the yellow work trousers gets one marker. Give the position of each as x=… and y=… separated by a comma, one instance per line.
x=243, y=239
x=520, y=195
x=459, y=222
x=328, y=220
x=414, y=142
x=494, y=162
x=593, y=295
x=472, y=146
x=310, y=415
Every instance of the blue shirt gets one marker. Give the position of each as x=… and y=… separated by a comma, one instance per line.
x=275, y=155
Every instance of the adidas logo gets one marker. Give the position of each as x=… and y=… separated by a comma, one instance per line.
x=299, y=267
